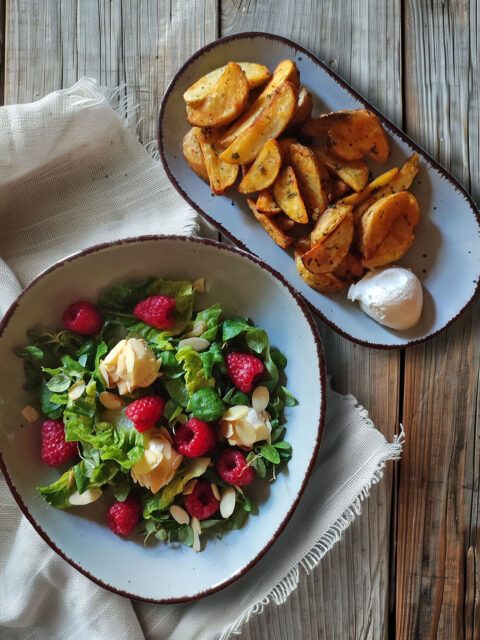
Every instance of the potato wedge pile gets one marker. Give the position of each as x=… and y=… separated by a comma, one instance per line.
x=305, y=178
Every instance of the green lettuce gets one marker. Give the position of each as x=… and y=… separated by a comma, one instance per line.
x=192, y=363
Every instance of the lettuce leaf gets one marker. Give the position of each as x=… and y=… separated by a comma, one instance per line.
x=192, y=363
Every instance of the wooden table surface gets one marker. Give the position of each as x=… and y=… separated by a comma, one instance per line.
x=409, y=567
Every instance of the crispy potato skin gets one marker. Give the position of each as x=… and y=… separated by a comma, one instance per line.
x=304, y=107
x=266, y=203
x=225, y=103
x=281, y=238
x=220, y=174
x=194, y=155
x=327, y=254
x=354, y=173
x=321, y=282
x=264, y=170
x=329, y=221
x=287, y=193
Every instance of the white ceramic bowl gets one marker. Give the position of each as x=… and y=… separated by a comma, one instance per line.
x=244, y=286
x=445, y=254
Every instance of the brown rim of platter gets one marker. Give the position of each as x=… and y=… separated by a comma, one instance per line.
x=387, y=124
x=322, y=379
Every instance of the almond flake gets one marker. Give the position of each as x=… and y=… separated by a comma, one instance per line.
x=260, y=399
x=30, y=413
x=235, y=413
x=239, y=489
x=227, y=503
x=226, y=429
x=245, y=433
x=179, y=514
x=196, y=525
x=196, y=542
x=111, y=400
x=70, y=479
x=198, y=328
x=76, y=390
x=198, y=344
x=199, y=285
x=215, y=490
x=189, y=487
x=88, y=496
x=263, y=432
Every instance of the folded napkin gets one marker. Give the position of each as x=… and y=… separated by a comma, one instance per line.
x=72, y=175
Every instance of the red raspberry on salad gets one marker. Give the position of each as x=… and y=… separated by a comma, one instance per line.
x=122, y=517
x=201, y=503
x=244, y=370
x=156, y=311
x=232, y=467
x=55, y=450
x=83, y=317
x=194, y=438
x=145, y=412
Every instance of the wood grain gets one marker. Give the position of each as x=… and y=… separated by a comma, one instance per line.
x=347, y=596
x=438, y=586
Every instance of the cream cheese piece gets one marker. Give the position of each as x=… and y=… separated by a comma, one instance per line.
x=392, y=296
x=129, y=365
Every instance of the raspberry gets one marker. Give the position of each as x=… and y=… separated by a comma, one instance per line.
x=232, y=467
x=201, y=503
x=194, y=438
x=83, y=318
x=156, y=311
x=145, y=412
x=244, y=370
x=123, y=516
x=55, y=450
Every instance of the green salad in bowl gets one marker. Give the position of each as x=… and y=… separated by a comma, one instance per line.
x=169, y=412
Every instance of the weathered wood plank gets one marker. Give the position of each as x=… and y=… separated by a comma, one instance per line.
x=347, y=596
x=438, y=568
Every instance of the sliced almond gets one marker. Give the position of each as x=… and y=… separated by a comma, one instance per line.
x=226, y=429
x=198, y=328
x=263, y=432
x=196, y=525
x=260, y=398
x=227, y=503
x=30, y=413
x=76, y=390
x=179, y=514
x=70, y=479
x=246, y=434
x=235, y=413
x=199, y=285
x=111, y=400
x=198, y=344
x=215, y=490
x=189, y=487
x=88, y=496
x=196, y=542
x=197, y=466
x=239, y=489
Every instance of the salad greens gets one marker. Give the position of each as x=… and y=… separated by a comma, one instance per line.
x=193, y=384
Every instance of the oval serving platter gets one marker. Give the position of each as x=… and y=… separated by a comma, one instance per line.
x=244, y=286
x=445, y=254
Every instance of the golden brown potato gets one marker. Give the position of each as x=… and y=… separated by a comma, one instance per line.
x=350, y=269
x=256, y=75
x=226, y=101
x=312, y=176
x=356, y=199
x=287, y=194
x=351, y=134
x=281, y=238
x=221, y=175
x=338, y=188
x=286, y=70
x=400, y=181
x=326, y=254
x=266, y=203
x=264, y=170
x=329, y=221
x=284, y=222
x=304, y=107
x=322, y=282
x=270, y=123
x=353, y=172
x=194, y=155
x=382, y=218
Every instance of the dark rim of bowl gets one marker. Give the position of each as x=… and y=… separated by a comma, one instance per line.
x=385, y=121
x=322, y=380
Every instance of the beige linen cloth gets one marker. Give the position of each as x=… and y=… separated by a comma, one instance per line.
x=72, y=175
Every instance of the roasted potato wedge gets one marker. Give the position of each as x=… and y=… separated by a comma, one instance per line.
x=266, y=203
x=286, y=70
x=381, y=219
x=322, y=282
x=194, y=155
x=269, y=124
x=329, y=221
x=264, y=170
x=400, y=181
x=338, y=188
x=287, y=193
x=312, y=176
x=304, y=107
x=351, y=134
x=220, y=174
x=350, y=269
x=326, y=255
x=256, y=75
x=284, y=222
x=226, y=101
x=353, y=172
x=356, y=199
x=281, y=238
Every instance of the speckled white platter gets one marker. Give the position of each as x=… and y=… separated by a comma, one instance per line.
x=445, y=254
x=244, y=286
